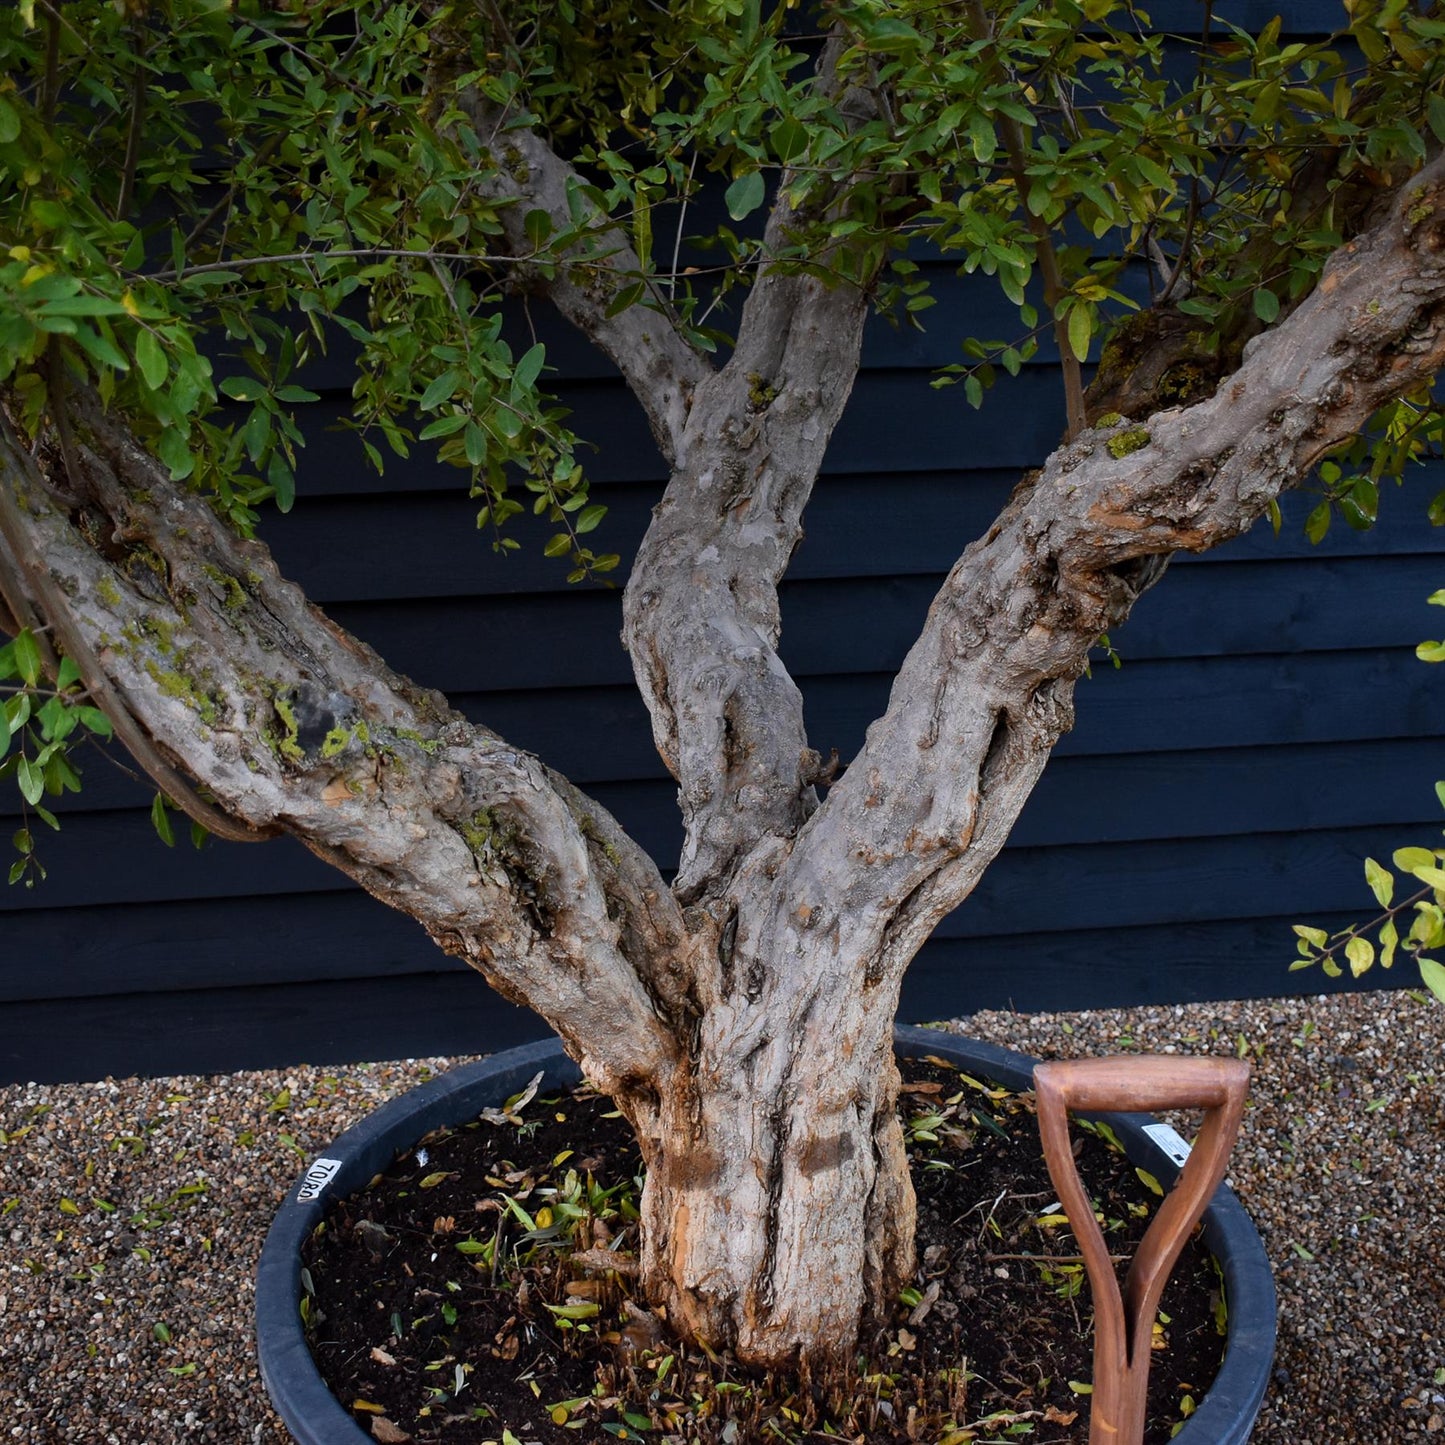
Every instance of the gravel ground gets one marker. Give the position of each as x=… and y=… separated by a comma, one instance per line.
x=133, y=1211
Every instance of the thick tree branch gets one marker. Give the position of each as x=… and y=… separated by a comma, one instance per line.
x=643, y=341
x=987, y=690
x=701, y=608
x=289, y=722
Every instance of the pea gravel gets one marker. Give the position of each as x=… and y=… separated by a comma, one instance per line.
x=132, y=1213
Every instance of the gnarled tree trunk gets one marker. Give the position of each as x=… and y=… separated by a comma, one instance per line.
x=742, y=1017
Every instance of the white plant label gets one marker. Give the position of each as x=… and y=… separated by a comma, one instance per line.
x=318, y=1176
x=1170, y=1141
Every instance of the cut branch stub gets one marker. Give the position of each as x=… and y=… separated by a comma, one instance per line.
x=1124, y=1323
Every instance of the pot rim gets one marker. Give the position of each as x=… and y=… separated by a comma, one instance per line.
x=314, y=1416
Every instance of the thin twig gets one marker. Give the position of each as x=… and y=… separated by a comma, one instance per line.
x=677, y=240
x=132, y=137
x=1013, y=143
x=264, y=153
x=51, y=95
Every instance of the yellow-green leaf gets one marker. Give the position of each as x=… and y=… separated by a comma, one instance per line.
x=1434, y=977
x=1389, y=941
x=1081, y=328
x=1382, y=882
x=1360, y=953
x=584, y=1310
x=1409, y=859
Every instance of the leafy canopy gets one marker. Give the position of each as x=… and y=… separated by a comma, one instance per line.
x=197, y=197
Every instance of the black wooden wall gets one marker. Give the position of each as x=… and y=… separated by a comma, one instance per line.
x=1268, y=728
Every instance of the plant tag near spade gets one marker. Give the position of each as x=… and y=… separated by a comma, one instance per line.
x=1170, y=1141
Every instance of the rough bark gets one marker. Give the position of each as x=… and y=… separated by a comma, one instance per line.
x=809, y=964
x=700, y=612
x=289, y=722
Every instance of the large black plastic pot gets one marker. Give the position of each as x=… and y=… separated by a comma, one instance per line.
x=314, y=1417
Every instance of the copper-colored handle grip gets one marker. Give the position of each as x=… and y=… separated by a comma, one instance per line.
x=1124, y=1322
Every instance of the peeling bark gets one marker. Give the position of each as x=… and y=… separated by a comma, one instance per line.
x=701, y=608
x=290, y=722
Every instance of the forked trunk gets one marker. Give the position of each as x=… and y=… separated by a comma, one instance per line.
x=778, y=1211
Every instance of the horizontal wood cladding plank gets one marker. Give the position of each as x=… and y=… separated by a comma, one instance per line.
x=1125, y=968
x=603, y=734
x=1168, y=796
x=221, y=1030
x=109, y=859
x=500, y=644
x=213, y=943
x=376, y=548
x=1221, y=793
x=1177, y=704
x=1232, y=608
x=926, y=428
x=116, y=857
x=1197, y=880
x=600, y=736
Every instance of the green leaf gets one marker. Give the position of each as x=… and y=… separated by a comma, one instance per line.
x=440, y=389
x=282, y=480
x=789, y=140
x=242, y=388
x=4, y=732
x=1381, y=881
x=1266, y=305
x=9, y=123
x=174, y=450
x=538, y=226
x=589, y=517
x=1316, y=936
x=1081, y=328
x=95, y=720
x=1318, y=523
x=1435, y=877
x=981, y=137
x=160, y=821
x=151, y=359
x=443, y=426
x=745, y=195
x=529, y=368
x=31, y=779
x=1431, y=652
x=27, y=657
x=1436, y=109
x=1432, y=975
x=626, y=296
x=558, y=545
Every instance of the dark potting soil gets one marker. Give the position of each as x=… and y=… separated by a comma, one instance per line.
x=448, y=1301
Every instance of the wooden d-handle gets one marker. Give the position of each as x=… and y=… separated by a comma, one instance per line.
x=1124, y=1324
